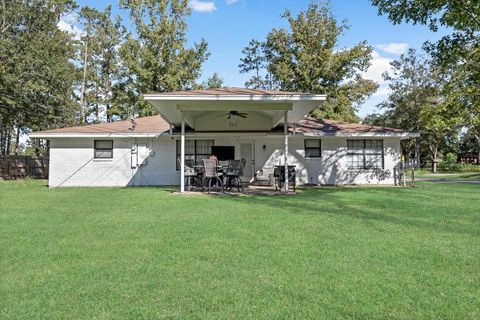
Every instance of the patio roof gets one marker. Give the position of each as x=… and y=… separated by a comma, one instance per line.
x=231, y=91
x=202, y=110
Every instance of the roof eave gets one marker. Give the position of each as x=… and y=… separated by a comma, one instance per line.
x=236, y=97
x=401, y=135
x=93, y=135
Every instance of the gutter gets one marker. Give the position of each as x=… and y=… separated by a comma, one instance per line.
x=93, y=135
x=230, y=97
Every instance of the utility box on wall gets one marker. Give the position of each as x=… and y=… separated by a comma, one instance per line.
x=140, y=154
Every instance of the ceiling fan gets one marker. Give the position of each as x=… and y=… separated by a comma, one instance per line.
x=232, y=114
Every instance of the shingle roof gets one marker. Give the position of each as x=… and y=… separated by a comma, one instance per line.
x=157, y=125
x=231, y=91
x=144, y=125
x=331, y=127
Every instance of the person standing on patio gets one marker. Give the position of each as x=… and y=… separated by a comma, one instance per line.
x=214, y=157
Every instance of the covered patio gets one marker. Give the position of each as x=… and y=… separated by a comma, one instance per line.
x=234, y=113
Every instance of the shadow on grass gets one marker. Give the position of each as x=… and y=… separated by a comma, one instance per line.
x=390, y=206
x=431, y=206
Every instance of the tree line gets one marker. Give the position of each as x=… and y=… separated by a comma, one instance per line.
x=436, y=92
x=51, y=78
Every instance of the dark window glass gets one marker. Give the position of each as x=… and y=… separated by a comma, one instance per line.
x=313, y=148
x=195, y=150
x=103, y=149
x=365, y=154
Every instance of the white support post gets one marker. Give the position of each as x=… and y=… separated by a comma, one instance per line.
x=285, y=155
x=182, y=157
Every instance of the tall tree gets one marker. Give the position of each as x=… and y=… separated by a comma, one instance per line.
x=102, y=36
x=457, y=53
x=255, y=62
x=306, y=58
x=417, y=103
x=157, y=57
x=36, y=72
x=88, y=17
x=213, y=82
x=110, y=35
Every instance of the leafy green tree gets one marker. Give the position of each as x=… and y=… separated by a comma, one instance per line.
x=306, y=58
x=213, y=82
x=254, y=61
x=469, y=143
x=110, y=35
x=461, y=16
x=417, y=103
x=157, y=57
x=457, y=54
x=440, y=122
x=376, y=119
x=102, y=36
x=36, y=69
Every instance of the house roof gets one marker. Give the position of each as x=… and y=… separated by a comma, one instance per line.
x=312, y=126
x=154, y=126
x=234, y=91
x=144, y=127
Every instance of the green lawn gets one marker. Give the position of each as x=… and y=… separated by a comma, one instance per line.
x=145, y=253
x=472, y=176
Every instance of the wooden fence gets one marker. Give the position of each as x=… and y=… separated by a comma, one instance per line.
x=19, y=167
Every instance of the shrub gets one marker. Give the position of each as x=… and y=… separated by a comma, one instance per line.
x=470, y=168
x=450, y=163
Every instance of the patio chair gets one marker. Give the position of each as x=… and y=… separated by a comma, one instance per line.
x=223, y=163
x=191, y=177
x=210, y=173
x=234, y=174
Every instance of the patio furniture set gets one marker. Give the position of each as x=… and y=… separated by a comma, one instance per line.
x=221, y=175
x=225, y=175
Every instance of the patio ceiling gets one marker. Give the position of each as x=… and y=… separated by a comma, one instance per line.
x=208, y=112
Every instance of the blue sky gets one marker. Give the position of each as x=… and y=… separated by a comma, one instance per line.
x=228, y=26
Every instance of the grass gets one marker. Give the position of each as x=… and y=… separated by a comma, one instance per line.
x=144, y=253
x=472, y=176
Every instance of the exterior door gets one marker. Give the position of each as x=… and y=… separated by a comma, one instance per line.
x=246, y=152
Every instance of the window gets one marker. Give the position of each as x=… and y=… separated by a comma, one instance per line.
x=103, y=149
x=195, y=150
x=313, y=148
x=365, y=154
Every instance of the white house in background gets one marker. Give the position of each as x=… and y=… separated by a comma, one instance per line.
x=232, y=123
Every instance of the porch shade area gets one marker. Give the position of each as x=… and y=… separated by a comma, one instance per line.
x=232, y=110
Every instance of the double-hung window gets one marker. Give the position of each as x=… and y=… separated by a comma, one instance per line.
x=313, y=148
x=103, y=149
x=365, y=154
x=195, y=150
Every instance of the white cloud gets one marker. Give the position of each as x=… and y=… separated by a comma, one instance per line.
x=203, y=6
x=378, y=65
x=68, y=23
x=394, y=48
x=232, y=1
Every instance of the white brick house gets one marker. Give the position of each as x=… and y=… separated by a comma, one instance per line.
x=233, y=123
